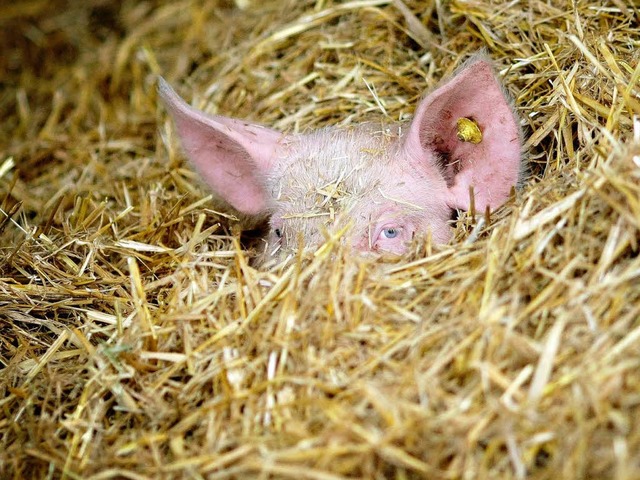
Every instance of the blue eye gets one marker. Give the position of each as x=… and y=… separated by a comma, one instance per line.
x=390, y=232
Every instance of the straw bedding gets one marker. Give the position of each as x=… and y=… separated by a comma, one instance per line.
x=138, y=341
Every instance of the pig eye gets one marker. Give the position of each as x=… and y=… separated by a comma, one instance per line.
x=392, y=238
x=278, y=232
x=391, y=232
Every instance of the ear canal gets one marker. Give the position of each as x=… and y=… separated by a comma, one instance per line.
x=234, y=157
x=468, y=127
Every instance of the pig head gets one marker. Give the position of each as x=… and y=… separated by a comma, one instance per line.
x=389, y=183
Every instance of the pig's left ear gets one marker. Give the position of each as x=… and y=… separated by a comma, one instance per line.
x=468, y=127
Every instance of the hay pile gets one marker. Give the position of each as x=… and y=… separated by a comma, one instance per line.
x=137, y=341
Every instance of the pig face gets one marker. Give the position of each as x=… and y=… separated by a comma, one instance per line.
x=358, y=176
x=386, y=183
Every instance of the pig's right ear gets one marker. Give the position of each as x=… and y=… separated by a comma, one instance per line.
x=233, y=156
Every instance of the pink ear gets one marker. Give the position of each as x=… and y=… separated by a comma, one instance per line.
x=491, y=166
x=233, y=156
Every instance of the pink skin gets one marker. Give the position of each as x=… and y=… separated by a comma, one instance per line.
x=388, y=183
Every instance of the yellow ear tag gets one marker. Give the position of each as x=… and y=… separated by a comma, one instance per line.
x=468, y=131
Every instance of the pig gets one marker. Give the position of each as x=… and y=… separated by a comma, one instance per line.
x=462, y=149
